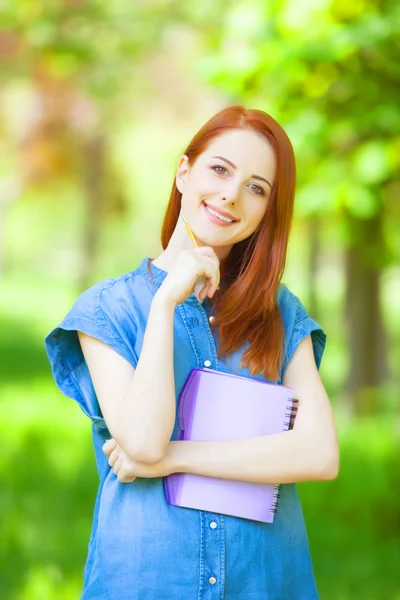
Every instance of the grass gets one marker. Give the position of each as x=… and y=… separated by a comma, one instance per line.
x=48, y=479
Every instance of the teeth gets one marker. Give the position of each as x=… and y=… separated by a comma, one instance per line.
x=218, y=215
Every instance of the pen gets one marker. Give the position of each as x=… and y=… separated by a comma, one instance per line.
x=189, y=230
x=191, y=233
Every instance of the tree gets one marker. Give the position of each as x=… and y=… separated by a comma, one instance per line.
x=330, y=73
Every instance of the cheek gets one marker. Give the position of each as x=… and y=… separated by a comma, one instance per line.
x=263, y=211
x=206, y=183
x=196, y=185
x=257, y=210
x=197, y=191
x=253, y=218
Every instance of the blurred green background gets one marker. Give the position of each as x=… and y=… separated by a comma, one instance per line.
x=97, y=101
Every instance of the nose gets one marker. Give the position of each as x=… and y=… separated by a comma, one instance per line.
x=230, y=193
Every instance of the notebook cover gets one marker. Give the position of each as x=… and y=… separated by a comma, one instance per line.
x=222, y=406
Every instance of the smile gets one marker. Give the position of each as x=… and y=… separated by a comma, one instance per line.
x=215, y=217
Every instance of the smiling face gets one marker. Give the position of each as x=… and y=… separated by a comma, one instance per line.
x=233, y=177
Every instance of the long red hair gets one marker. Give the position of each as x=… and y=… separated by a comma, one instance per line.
x=246, y=311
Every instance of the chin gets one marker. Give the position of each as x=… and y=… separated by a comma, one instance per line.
x=215, y=244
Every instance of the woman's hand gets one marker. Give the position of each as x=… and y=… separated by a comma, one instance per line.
x=127, y=469
x=197, y=265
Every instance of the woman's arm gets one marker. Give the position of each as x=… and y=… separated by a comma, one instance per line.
x=138, y=405
x=308, y=452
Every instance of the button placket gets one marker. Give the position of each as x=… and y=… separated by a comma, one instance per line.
x=208, y=363
x=213, y=537
x=192, y=307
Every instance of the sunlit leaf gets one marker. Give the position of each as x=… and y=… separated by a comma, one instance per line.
x=372, y=162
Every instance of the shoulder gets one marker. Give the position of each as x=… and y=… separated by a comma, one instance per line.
x=107, y=297
x=107, y=311
x=298, y=324
x=290, y=306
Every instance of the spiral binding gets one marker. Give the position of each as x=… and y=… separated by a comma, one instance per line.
x=290, y=417
x=291, y=413
x=275, y=498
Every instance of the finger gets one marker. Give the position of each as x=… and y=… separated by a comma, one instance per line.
x=207, y=290
x=117, y=466
x=211, y=291
x=202, y=294
x=209, y=269
x=113, y=457
x=109, y=443
x=199, y=287
x=212, y=273
x=126, y=475
x=207, y=251
x=109, y=446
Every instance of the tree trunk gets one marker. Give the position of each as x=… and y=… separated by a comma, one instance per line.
x=313, y=262
x=10, y=189
x=366, y=336
x=94, y=167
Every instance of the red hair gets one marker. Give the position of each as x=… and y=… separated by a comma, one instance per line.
x=246, y=311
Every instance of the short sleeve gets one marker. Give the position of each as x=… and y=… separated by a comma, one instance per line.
x=299, y=325
x=95, y=317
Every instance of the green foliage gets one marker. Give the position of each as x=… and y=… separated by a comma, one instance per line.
x=95, y=44
x=329, y=74
x=329, y=71
x=48, y=478
x=48, y=483
x=354, y=521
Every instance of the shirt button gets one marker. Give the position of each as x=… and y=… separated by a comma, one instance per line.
x=213, y=525
x=212, y=580
x=207, y=363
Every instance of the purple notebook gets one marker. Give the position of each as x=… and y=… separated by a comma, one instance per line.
x=221, y=406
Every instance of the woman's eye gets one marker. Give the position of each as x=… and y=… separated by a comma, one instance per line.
x=216, y=167
x=259, y=190
x=222, y=171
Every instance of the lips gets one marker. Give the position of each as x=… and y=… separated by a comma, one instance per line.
x=221, y=212
x=219, y=221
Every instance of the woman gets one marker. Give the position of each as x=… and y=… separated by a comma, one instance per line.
x=129, y=343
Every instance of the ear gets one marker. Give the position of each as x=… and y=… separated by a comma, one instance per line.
x=182, y=173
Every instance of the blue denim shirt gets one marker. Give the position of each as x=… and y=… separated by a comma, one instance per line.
x=142, y=548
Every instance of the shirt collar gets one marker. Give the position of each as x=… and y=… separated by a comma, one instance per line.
x=152, y=272
x=156, y=275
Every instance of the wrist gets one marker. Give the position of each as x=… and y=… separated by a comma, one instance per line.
x=163, y=301
x=175, y=457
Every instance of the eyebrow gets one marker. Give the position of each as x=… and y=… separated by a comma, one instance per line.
x=234, y=166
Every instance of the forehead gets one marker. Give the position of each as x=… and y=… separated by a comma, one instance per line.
x=248, y=150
